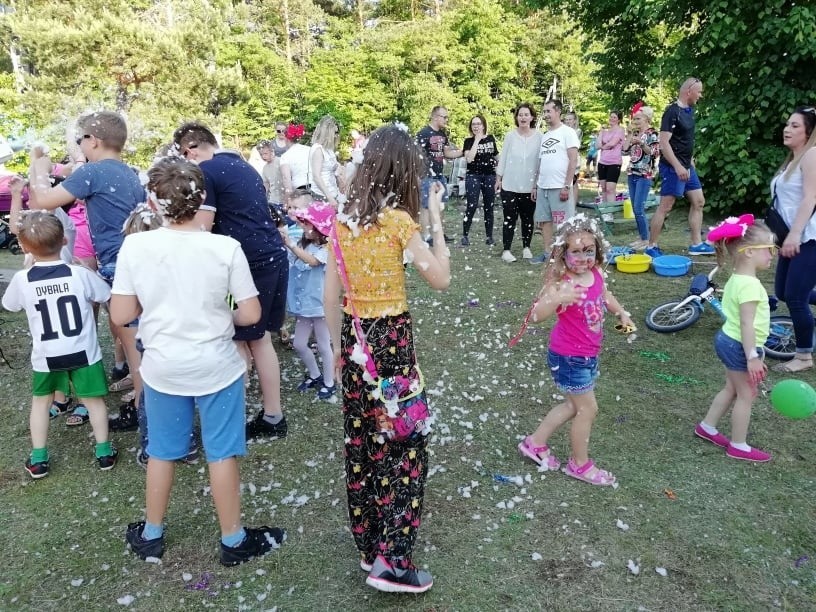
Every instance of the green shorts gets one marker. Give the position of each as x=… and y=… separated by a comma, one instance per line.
x=89, y=381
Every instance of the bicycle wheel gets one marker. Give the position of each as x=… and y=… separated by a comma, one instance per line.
x=668, y=318
x=781, y=342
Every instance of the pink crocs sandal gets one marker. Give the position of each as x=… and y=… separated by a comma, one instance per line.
x=540, y=455
x=590, y=473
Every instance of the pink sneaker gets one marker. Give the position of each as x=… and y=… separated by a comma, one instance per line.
x=718, y=439
x=540, y=455
x=755, y=455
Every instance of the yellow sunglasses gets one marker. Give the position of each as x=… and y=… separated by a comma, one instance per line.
x=773, y=248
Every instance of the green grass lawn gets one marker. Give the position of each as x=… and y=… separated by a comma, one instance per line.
x=729, y=535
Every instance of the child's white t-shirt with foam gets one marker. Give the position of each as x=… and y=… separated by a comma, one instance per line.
x=182, y=280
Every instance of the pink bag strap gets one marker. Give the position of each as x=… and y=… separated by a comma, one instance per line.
x=514, y=340
x=358, y=327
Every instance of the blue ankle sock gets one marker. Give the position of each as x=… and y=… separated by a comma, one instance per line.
x=151, y=532
x=234, y=539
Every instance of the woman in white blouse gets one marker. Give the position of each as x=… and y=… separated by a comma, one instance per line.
x=515, y=175
x=794, y=189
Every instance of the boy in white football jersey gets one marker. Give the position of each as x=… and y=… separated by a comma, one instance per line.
x=58, y=299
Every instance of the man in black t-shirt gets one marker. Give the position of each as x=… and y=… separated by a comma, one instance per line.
x=433, y=139
x=678, y=178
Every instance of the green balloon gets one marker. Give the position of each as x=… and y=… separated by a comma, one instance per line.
x=794, y=399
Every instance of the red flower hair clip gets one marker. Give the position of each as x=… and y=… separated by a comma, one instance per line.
x=732, y=227
x=295, y=131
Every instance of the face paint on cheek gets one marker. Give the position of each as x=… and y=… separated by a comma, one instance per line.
x=573, y=261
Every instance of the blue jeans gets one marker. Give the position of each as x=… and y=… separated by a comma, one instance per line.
x=638, y=192
x=795, y=278
x=474, y=185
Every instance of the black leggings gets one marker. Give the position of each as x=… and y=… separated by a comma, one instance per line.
x=514, y=205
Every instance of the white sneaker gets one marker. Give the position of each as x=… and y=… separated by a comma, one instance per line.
x=508, y=257
x=526, y=253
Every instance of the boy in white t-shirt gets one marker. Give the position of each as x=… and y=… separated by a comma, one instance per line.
x=176, y=279
x=58, y=299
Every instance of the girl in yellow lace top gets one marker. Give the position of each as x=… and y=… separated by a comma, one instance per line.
x=378, y=232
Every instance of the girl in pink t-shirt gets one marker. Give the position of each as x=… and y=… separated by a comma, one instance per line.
x=575, y=291
x=83, y=247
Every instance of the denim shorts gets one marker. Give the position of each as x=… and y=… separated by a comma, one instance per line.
x=573, y=375
x=731, y=353
x=671, y=185
x=170, y=419
x=425, y=189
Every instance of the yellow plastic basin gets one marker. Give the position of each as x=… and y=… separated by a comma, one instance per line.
x=633, y=264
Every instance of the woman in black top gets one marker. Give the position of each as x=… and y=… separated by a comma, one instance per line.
x=480, y=153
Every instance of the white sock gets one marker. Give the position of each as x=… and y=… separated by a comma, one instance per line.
x=741, y=446
x=711, y=431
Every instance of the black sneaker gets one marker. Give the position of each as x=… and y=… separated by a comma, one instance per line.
x=36, y=470
x=258, y=542
x=119, y=373
x=143, y=548
x=310, y=383
x=387, y=578
x=258, y=427
x=141, y=458
x=107, y=462
x=127, y=420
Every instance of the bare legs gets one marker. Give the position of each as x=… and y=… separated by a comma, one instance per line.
x=739, y=391
x=581, y=409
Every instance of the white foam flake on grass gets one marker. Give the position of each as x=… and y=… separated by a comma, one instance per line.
x=125, y=600
x=662, y=571
x=77, y=582
x=621, y=525
x=633, y=567
x=536, y=556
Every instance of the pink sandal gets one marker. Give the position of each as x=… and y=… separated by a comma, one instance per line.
x=590, y=473
x=540, y=455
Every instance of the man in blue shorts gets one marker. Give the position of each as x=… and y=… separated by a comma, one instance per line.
x=433, y=139
x=678, y=178
x=236, y=206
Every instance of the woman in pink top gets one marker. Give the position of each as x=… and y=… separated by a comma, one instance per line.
x=575, y=291
x=610, y=146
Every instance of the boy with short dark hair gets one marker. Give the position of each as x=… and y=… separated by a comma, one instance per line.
x=236, y=206
x=58, y=298
x=176, y=279
x=111, y=190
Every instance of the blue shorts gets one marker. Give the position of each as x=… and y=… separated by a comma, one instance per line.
x=425, y=191
x=670, y=185
x=107, y=272
x=271, y=282
x=731, y=353
x=171, y=417
x=573, y=375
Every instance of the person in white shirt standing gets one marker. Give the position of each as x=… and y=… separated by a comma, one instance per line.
x=553, y=190
x=176, y=279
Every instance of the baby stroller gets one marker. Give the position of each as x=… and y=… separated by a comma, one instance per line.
x=7, y=239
